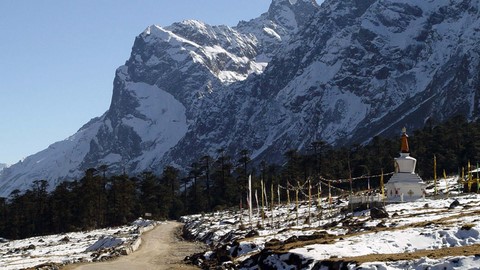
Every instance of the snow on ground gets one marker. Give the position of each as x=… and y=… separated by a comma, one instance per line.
x=441, y=231
x=443, y=222
x=69, y=248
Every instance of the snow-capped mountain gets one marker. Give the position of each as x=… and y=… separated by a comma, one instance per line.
x=2, y=166
x=341, y=72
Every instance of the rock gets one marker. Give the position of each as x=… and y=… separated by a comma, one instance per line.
x=381, y=225
x=454, y=204
x=227, y=266
x=222, y=255
x=291, y=239
x=195, y=259
x=273, y=243
x=377, y=212
x=65, y=239
x=46, y=266
x=252, y=233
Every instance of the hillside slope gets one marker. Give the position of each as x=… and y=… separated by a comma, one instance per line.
x=341, y=72
x=439, y=232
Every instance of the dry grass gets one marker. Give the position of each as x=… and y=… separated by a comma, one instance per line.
x=433, y=254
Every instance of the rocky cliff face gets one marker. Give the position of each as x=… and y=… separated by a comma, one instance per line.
x=342, y=72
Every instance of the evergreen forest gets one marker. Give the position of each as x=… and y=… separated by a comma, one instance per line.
x=100, y=199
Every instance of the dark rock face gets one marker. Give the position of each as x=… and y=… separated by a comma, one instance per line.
x=342, y=72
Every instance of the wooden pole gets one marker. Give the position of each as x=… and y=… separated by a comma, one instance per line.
x=382, y=188
x=257, y=202
x=262, y=188
x=250, y=202
x=446, y=183
x=469, y=177
x=288, y=196
x=278, y=195
x=309, y=200
x=319, y=193
x=296, y=203
x=435, y=175
x=478, y=180
x=272, y=203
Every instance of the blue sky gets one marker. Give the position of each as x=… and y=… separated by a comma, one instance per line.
x=58, y=59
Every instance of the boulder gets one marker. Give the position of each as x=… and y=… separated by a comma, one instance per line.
x=454, y=204
x=378, y=212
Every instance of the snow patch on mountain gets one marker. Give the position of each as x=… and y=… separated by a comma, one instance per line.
x=59, y=161
x=161, y=123
x=345, y=110
x=155, y=104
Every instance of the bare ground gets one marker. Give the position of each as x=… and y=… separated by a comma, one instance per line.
x=161, y=249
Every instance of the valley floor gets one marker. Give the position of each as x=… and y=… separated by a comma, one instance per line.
x=438, y=232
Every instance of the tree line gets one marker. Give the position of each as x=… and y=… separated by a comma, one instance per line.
x=217, y=182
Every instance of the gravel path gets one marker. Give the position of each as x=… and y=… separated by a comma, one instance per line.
x=161, y=249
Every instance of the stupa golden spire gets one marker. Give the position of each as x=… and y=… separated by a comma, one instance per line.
x=404, y=148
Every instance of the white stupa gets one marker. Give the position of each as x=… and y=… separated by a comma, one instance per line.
x=405, y=184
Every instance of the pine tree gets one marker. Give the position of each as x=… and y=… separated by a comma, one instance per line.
x=124, y=199
x=62, y=205
x=169, y=203
x=207, y=160
x=93, y=198
x=224, y=189
x=3, y=215
x=149, y=186
x=39, y=198
x=197, y=201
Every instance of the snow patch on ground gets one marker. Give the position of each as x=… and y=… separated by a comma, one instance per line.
x=429, y=224
x=69, y=247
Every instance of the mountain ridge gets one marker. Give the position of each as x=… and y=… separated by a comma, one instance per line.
x=342, y=72
x=186, y=62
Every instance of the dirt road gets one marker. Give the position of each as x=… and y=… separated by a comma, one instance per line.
x=161, y=249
